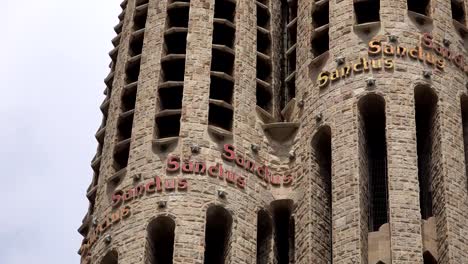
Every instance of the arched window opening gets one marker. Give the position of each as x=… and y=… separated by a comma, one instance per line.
x=217, y=235
x=372, y=111
x=264, y=237
x=284, y=230
x=458, y=11
x=419, y=6
x=322, y=150
x=426, y=132
x=428, y=258
x=367, y=11
x=464, y=110
x=110, y=258
x=160, y=244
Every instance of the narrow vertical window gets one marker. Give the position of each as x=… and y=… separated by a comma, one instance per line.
x=419, y=6
x=171, y=86
x=367, y=11
x=426, y=133
x=110, y=258
x=320, y=23
x=374, y=152
x=284, y=231
x=464, y=114
x=221, y=110
x=290, y=50
x=160, y=243
x=458, y=11
x=264, y=59
x=428, y=258
x=217, y=235
x=322, y=151
x=264, y=237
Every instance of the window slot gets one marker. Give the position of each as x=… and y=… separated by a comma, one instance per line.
x=125, y=128
x=367, y=11
x=136, y=44
x=132, y=73
x=284, y=231
x=263, y=69
x=222, y=61
x=264, y=237
x=374, y=152
x=320, y=15
x=160, y=243
x=173, y=70
x=110, y=258
x=176, y=41
x=225, y=9
x=168, y=125
x=223, y=35
x=264, y=99
x=139, y=21
x=426, y=133
x=220, y=117
x=171, y=98
x=178, y=15
x=419, y=6
x=217, y=234
x=263, y=15
x=121, y=159
x=221, y=89
x=458, y=11
x=320, y=42
x=128, y=101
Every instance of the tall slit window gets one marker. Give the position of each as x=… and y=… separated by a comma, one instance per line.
x=110, y=258
x=372, y=111
x=458, y=11
x=217, y=235
x=171, y=87
x=264, y=59
x=284, y=226
x=221, y=110
x=160, y=243
x=264, y=237
x=426, y=133
x=464, y=113
x=290, y=50
x=419, y=6
x=320, y=23
x=323, y=157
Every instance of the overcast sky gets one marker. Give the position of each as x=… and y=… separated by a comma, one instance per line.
x=52, y=65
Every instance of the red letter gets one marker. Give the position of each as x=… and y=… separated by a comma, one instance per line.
x=150, y=187
x=182, y=184
x=288, y=180
x=172, y=164
x=117, y=198
x=229, y=153
x=188, y=169
x=427, y=40
x=241, y=182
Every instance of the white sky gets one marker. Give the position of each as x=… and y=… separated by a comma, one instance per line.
x=52, y=65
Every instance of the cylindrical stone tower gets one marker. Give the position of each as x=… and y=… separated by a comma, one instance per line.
x=283, y=131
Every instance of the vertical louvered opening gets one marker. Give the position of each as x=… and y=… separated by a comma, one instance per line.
x=264, y=237
x=160, y=241
x=458, y=11
x=428, y=258
x=222, y=61
x=121, y=159
x=372, y=113
x=128, y=101
x=284, y=231
x=171, y=88
x=289, y=28
x=367, y=11
x=419, y=6
x=320, y=21
x=426, y=133
x=217, y=234
x=136, y=44
x=125, y=128
x=464, y=112
x=264, y=93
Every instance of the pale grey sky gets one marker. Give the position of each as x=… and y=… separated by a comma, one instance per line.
x=52, y=65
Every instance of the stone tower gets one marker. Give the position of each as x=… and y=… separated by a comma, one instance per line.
x=283, y=131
